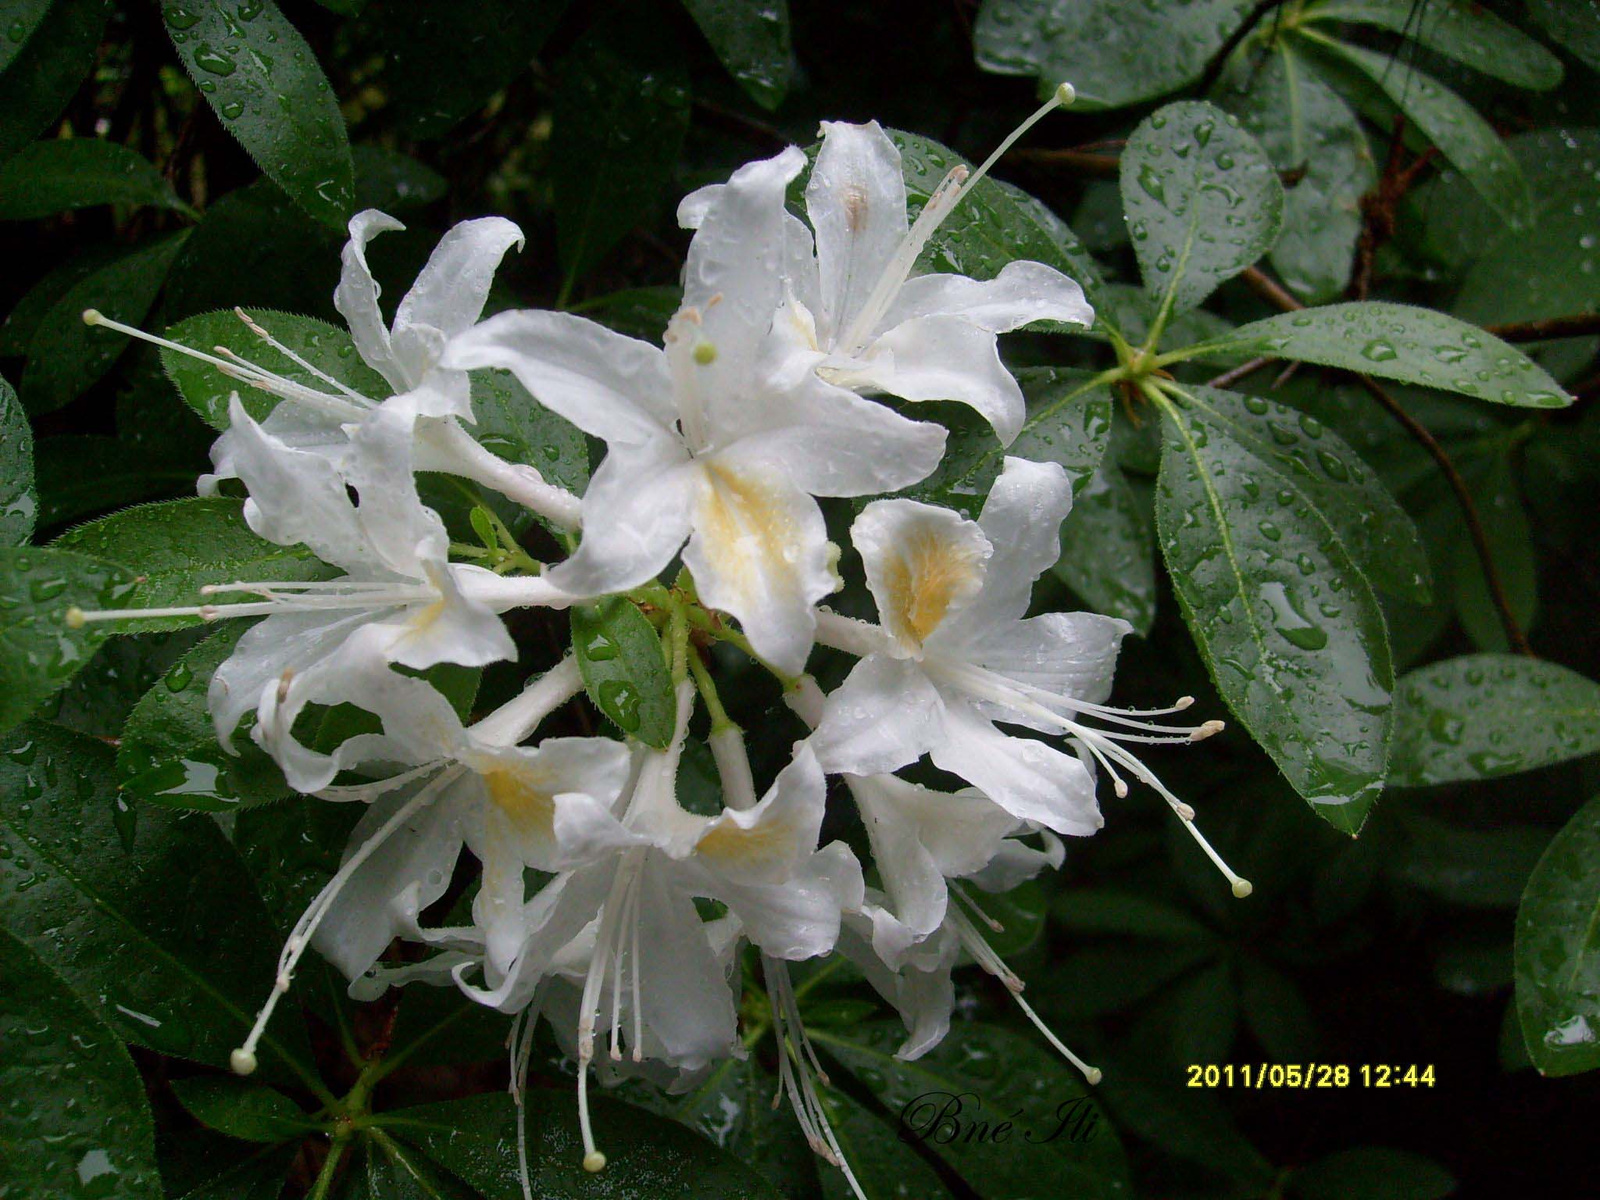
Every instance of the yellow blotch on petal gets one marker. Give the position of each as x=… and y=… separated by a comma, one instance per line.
x=752, y=534
x=765, y=842
x=524, y=799
x=925, y=577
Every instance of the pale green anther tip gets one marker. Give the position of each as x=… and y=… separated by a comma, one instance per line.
x=1242, y=888
x=91, y=316
x=594, y=1162
x=1093, y=1075
x=705, y=354
x=74, y=618
x=242, y=1061
x=1065, y=94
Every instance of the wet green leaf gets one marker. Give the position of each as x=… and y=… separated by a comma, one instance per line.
x=169, y=753
x=1464, y=138
x=1400, y=342
x=65, y=356
x=1574, y=25
x=1372, y=1173
x=148, y=915
x=518, y=428
x=1487, y=715
x=78, y=1123
x=1202, y=201
x=1114, y=53
x=242, y=1109
x=752, y=41
x=1466, y=32
x=1558, y=950
x=178, y=546
x=624, y=670
x=264, y=83
x=80, y=474
x=19, y=499
x=25, y=17
x=1108, y=549
x=39, y=652
x=44, y=66
x=65, y=173
x=1286, y=622
x=258, y=1177
x=476, y=1140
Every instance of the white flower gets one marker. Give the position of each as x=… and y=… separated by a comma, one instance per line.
x=398, y=584
x=855, y=314
x=515, y=807
x=446, y=299
x=705, y=442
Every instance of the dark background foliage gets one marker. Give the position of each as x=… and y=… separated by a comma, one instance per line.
x=584, y=123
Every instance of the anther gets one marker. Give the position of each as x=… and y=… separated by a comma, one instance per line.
x=74, y=617
x=594, y=1162
x=91, y=316
x=1065, y=95
x=1242, y=888
x=241, y=1060
x=705, y=353
x=1207, y=729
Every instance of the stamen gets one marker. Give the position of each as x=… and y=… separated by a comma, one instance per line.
x=243, y=1059
x=960, y=893
x=1240, y=886
x=251, y=324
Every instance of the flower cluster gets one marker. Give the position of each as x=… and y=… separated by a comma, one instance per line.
x=765, y=396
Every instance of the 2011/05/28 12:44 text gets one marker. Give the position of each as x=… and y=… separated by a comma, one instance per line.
x=1310, y=1075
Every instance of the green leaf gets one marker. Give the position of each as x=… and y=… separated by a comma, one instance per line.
x=53, y=176
x=65, y=356
x=326, y=347
x=1287, y=624
x=25, y=16
x=624, y=671
x=1020, y=913
x=883, y=1163
x=1068, y=423
x=169, y=753
x=1574, y=25
x=1276, y=1011
x=995, y=223
x=620, y=113
x=1108, y=550
x=48, y=65
x=752, y=41
x=1458, y=29
x=261, y=78
x=149, y=916
x=1139, y=51
x=1487, y=715
x=292, y=849
x=444, y=59
x=1558, y=950
x=1400, y=342
x=391, y=1170
x=999, y=1076
x=476, y=1140
x=1444, y=118
x=1202, y=201
x=518, y=428
x=19, y=500
x=178, y=546
x=393, y=181
x=1375, y=530
x=259, y=1177
x=1473, y=868
x=77, y=1122
x=38, y=651
x=1304, y=126
x=242, y=1109
x=99, y=698
x=1372, y=1173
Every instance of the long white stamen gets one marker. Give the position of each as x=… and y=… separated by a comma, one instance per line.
x=243, y=1059
x=521, y=1044
x=254, y=327
x=960, y=893
x=983, y=954
x=328, y=597
x=611, y=917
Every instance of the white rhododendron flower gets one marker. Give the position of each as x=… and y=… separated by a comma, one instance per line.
x=706, y=441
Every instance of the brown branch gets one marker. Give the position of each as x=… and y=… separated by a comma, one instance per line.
x=1104, y=165
x=1232, y=376
x=1219, y=60
x=1575, y=325
x=1469, y=509
x=1270, y=290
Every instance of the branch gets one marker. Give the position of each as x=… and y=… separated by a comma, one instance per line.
x=1232, y=376
x=1575, y=325
x=1274, y=293
x=1219, y=60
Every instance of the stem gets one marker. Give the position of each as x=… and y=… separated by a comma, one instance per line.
x=330, y=1167
x=1270, y=290
x=1469, y=511
x=1230, y=377
x=708, y=692
x=1575, y=325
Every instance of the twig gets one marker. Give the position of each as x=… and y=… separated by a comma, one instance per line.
x=1270, y=290
x=1219, y=60
x=1232, y=376
x=1104, y=165
x=1575, y=325
x=1469, y=508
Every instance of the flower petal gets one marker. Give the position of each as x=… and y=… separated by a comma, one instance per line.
x=450, y=290
x=356, y=298
x=759, y=550
x=687, y=1007
x=799, y=917
x=1070, y=654
x=636, y=514
x=886, y=714
x=856, y=199
x=768, y=843
x=612, y=386
x=1022, y=293
x=940, y=358
x=923, y=564
x=1030, y=780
